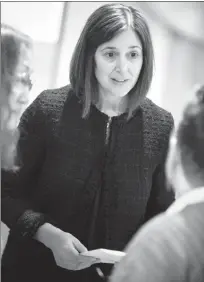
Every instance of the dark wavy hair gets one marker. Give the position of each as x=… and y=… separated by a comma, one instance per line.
x=104, y=24
x=190, y=139
x=11, y=44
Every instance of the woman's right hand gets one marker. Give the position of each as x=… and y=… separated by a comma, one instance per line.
x=65, y=247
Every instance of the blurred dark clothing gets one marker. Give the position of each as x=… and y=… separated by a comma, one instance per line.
x=99, y=193
x=169, y=248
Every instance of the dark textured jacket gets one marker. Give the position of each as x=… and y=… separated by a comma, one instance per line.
x=101, y=193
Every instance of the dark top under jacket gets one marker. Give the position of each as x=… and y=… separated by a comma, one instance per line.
x=97, y=178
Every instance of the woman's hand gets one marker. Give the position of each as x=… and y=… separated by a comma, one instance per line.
x=65, y=247
x=66, y=251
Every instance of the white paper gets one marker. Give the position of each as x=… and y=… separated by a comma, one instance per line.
x=105, y=255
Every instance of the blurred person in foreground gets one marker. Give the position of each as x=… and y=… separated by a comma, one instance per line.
x=16, y=67
x=92, y=157
x=170, y=247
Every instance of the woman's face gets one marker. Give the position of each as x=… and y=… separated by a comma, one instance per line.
x=21, y=84
x=118, y=64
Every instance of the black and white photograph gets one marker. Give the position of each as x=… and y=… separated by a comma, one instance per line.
x=102, y=141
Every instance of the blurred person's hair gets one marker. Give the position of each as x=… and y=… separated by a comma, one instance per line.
x=12, y=40
x=190, y=139
x=104, y=24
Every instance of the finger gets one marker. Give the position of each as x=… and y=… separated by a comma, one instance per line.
x=85, y=262
x=73, y=249
x=79, y=246
x=94, y=261
x=100, y=272
x=88, y=260
x=83, y=265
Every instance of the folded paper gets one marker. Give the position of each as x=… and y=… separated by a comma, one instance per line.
x=105, y=255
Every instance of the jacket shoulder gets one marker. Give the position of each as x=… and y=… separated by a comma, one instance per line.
x=46, y=105
x=54, y=98
x=157, y=113
x=158, y=124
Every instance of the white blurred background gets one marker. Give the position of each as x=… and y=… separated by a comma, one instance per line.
x=177, y=30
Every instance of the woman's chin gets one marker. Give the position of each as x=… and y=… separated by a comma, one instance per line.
x=120, y=94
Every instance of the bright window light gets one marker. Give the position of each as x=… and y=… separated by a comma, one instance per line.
x=40, y=20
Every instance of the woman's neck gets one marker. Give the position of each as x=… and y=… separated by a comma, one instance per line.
x=112, y=106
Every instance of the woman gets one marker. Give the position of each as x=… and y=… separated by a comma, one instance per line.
x=16, y=50
x=91, y=155
x=15, y=67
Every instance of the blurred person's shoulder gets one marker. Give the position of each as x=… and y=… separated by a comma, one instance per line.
x=162, y=250
x=155, y=230
x=171, y=239
x=192, y=214
x=164, y=226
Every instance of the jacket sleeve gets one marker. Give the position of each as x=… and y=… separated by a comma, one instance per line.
x=19, y=212
x=161, y=196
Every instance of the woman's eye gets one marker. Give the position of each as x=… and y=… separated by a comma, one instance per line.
x=110, y=55
x=133, y=55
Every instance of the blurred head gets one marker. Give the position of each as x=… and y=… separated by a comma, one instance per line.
x=114, y=54
x=16, y=68
x=185, y=162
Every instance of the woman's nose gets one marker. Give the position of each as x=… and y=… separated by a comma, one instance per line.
x=122, y=65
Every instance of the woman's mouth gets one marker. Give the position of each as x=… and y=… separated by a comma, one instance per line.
x=117, y=81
